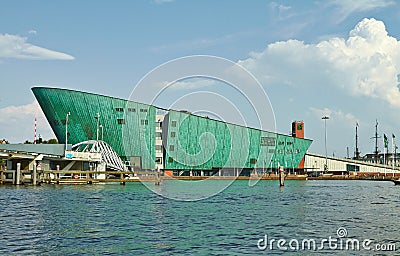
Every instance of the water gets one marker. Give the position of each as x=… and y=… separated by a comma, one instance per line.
x=132, y=220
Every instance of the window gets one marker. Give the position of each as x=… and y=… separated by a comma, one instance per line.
x=158, y=148
x=144, y=122
x=170, y=159
x=171, y=147
x=64, y=121
x=121, y=121
x=289, y=143
x=158, y=134
x=143, y=110
x=268, y=141
x=119, y=109
x=158, y=160
x=253, y=161
x=131, y=110
x=280, y=143
x=173, y=123
x=173, y=134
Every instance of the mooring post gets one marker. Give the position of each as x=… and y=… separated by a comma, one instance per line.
x=2, y=176
x=18, y=174
x=56, y=174
x=34, y=178
x=157, y=182
x=281, y=176
x=122, y=182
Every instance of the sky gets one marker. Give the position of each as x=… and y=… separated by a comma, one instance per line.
x=339, y=58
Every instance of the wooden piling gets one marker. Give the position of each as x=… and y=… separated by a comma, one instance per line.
x=18, y=175
x=281, y=176
x=158, y=180
x=122, y=181
x=34, y=174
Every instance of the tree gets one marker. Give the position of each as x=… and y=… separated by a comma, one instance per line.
x=51, y=141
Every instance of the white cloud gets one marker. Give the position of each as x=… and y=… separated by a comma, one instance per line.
x=336, y=115
x=32, y=31
x=17, y=123
x=366, y=63
x=346, y=7
x=14, y=46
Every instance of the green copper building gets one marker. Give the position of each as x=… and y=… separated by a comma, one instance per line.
x=176, y=141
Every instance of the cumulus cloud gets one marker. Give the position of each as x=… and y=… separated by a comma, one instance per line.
x=366, y=63
x=17, y=122
x=14, y=46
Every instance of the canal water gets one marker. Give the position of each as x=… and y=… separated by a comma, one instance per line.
x=132, y=220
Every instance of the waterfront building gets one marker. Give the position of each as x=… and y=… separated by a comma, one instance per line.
x=178, y=142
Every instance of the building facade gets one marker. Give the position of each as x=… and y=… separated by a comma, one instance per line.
x=175, y=141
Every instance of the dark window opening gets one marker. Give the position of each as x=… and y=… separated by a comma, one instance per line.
x=121, y=121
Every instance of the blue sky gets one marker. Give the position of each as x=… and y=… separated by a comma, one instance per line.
x=339, y=58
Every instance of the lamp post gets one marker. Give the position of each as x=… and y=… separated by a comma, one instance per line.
x=102, y=132
x=97, y=127
x=326, y=150
x=66, y=130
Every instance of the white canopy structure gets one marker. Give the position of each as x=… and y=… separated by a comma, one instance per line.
x=108, y=155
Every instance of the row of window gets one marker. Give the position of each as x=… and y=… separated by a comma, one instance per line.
x=142, y=122
x=142, y=110
x=289, y=143
x=279, y=151
x=252, y=160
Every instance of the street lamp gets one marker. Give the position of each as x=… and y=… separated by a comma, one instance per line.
x=66, y=130
x=97, y=127
x=102, y=132
x=326, y=150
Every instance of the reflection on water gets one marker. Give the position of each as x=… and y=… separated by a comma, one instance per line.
x=114, y=219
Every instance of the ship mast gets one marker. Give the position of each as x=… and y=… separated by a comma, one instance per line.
x=357, y=153
x=376, y=137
